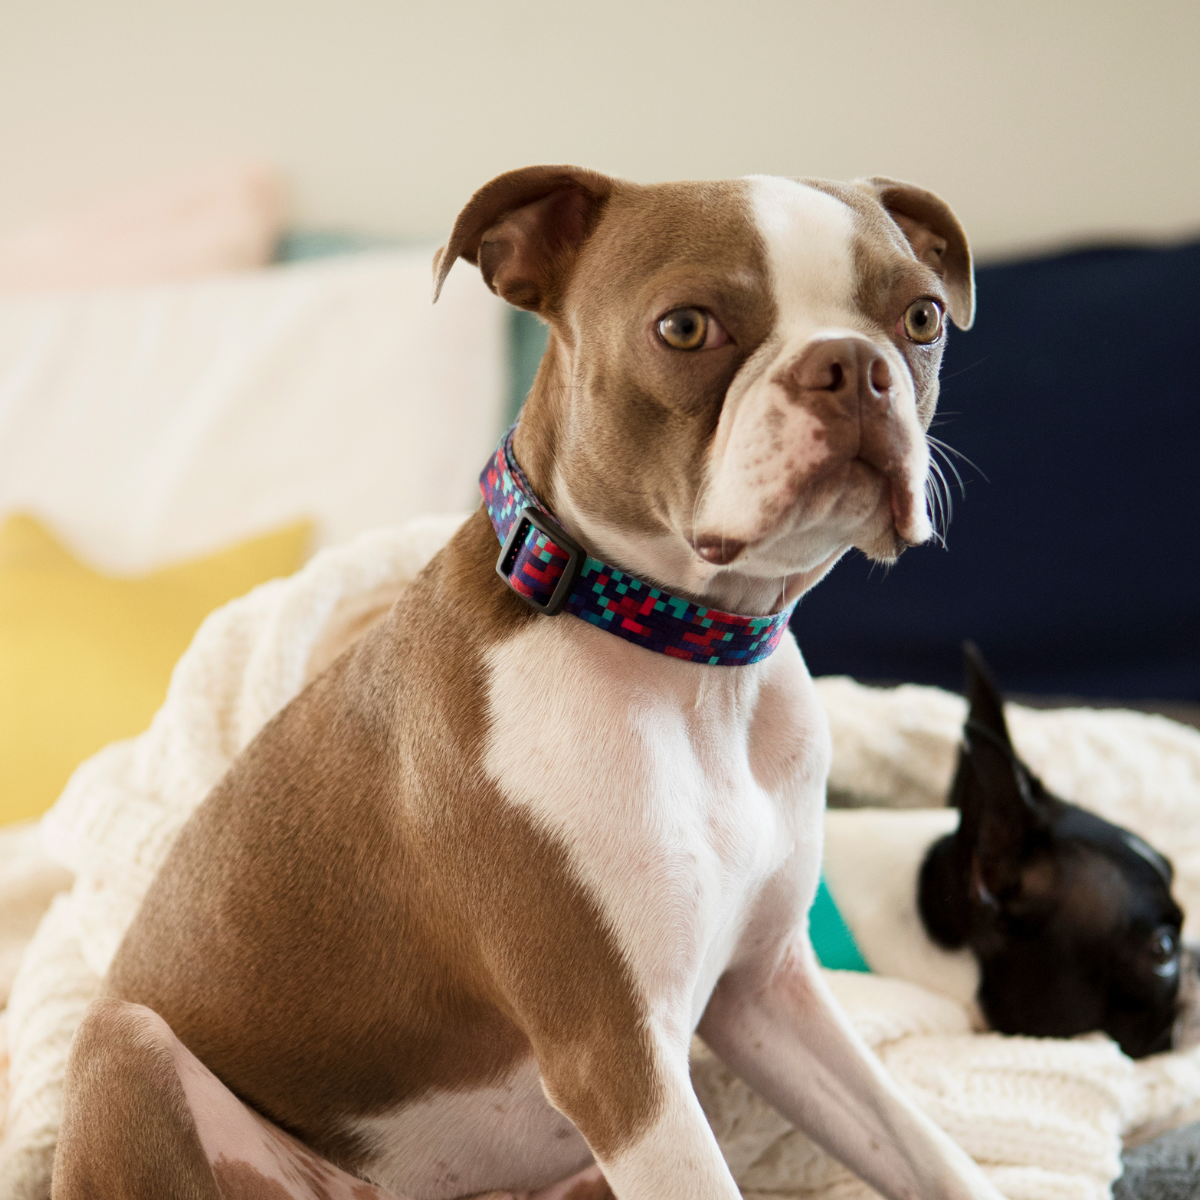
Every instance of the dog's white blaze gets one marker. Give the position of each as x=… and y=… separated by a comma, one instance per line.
x=676, y=789
x=766, y=448
x=460, y=1143
x=809, y=238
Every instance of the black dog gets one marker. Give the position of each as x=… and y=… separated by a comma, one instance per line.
x=1069, y=916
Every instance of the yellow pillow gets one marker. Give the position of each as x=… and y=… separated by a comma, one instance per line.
x=85, y=658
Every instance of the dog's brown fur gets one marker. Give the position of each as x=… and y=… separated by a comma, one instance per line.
x=402, y=969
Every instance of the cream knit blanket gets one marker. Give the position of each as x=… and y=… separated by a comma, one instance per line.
x=1045, y=1118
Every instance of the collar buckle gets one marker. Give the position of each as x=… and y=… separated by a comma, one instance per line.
x=515, y=542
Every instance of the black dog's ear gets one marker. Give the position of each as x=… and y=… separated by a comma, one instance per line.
x=1002, y=803
x=986, y=705
x=523, y=230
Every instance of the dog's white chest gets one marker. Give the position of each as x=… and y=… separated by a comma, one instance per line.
x=678, y=790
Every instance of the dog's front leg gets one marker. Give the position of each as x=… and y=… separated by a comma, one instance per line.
x=667, y=1151
x=782, y=1031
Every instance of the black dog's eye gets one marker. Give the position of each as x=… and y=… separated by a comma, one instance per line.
x=1163, y=950
x=685, y=328
x=922, y=321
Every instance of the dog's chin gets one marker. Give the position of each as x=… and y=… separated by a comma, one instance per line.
x=801, y=536
x=871, y=528
x=884, y=545
x=876, y=513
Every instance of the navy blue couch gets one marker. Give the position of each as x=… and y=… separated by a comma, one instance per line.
x=1074, y=557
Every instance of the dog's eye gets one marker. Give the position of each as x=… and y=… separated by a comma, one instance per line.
x=1163, y=950
x=691, y=329
x=922, y=321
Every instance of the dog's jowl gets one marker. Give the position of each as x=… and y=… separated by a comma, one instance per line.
x=448, y=924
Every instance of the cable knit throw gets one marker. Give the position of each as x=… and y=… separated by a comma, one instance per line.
x=1045, y=1118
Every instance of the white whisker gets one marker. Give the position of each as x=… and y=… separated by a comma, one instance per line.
x=945, y=449
x=937, y=513
x=947, y=497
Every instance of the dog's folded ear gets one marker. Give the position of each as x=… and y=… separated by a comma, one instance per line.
x=523, y=230
x=937, y=239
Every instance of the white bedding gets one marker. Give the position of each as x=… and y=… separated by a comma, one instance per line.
x=1046, y=1118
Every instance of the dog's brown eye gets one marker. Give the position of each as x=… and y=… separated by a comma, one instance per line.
x=685, y=328
x=923, y=321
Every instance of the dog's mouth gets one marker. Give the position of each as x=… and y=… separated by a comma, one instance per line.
x=855, y=503
x=719, y=551
x=910, y=515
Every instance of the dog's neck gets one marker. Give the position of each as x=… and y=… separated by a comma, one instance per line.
x=544, y=565
x=663, y=557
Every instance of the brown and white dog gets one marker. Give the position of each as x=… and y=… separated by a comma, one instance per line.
x=449, y=923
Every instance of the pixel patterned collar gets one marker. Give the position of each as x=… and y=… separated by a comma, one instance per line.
x=552, y=573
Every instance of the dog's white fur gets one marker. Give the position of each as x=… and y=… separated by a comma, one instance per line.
x=457, y=1143
x=634, y=760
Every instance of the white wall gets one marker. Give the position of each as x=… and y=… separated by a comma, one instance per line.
x=1039, y=121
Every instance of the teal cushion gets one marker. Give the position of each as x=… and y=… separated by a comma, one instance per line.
x=832, y=940
x=526, y=343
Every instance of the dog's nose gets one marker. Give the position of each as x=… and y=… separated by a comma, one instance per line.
x=849, y=370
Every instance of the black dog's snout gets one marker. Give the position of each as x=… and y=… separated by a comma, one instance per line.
x=1185, y=1030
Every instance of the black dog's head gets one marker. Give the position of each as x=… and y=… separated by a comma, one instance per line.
x=1070, y=917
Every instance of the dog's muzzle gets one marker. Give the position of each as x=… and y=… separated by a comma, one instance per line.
x=849, y=385
x=1186, y=1031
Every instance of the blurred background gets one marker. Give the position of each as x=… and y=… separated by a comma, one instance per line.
x=1044, y=123
x=217, y=352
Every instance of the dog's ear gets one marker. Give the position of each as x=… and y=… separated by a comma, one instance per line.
x=1003, y=804
x=984, y=701
x=523, y=231
x=937, y=239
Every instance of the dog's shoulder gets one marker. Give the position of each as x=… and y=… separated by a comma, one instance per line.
x=359, y=886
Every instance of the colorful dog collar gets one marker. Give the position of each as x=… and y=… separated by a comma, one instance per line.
x=553, y=573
